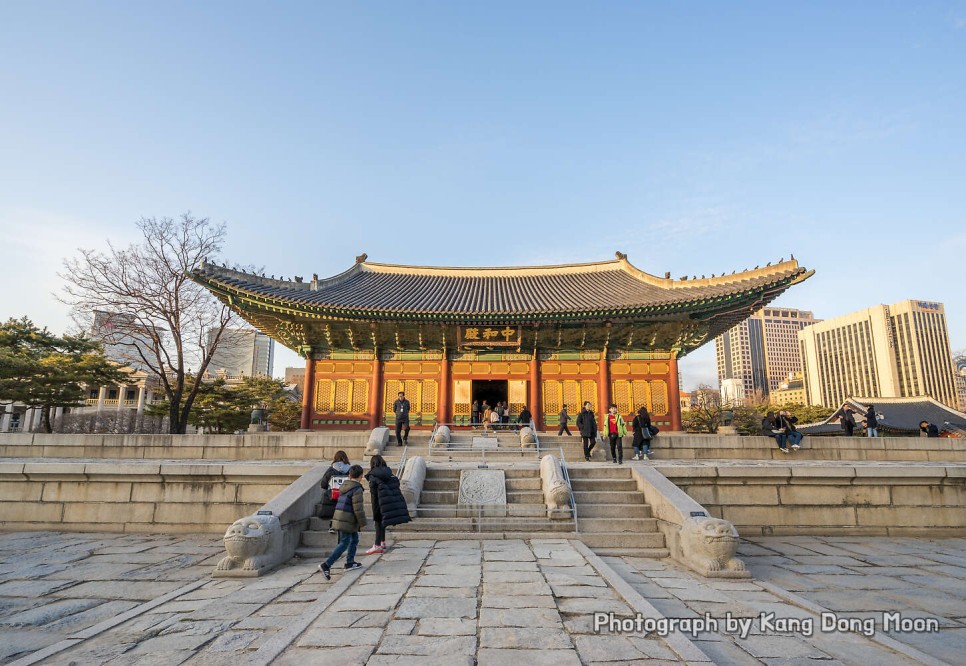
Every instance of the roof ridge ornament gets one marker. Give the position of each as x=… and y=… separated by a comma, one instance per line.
x=620, y=256
x=361, y=259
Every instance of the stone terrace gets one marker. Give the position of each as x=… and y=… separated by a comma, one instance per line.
x=147, y=599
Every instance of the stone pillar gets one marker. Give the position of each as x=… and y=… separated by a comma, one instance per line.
x=121, y=393
x=536, y=408
x=375, y=392
x=603, y=384
x=28, y=419
x=57, y=415
x=674, y=391
x=443, y=408
x=308, y=391
x=101, y=396
x=5, y=420
x=142, y=398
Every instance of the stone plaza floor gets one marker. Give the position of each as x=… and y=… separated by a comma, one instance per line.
x=150, y=599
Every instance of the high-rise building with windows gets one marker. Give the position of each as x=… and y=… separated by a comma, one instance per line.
x=889, y=351
x=242, y=353
x=762, y=351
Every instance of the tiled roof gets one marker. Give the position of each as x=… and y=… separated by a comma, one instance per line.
x=602, y=288
x=898, y=414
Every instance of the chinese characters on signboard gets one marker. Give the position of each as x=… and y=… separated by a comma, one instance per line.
x=489, y=336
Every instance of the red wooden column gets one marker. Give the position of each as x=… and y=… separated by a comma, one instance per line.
x=308, y=392
x=375, y=392
x=536, y=408
x=443, y=407
x=603, y=385
x=674, y=399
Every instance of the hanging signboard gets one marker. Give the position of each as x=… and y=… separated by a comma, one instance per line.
x=490, y=336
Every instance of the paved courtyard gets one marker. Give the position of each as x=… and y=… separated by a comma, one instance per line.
x=144, y=599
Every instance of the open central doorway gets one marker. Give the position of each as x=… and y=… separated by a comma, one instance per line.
x=490, y=390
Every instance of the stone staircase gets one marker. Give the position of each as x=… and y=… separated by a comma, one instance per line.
x=439, y=516
x=612, y=517
x=611, y=514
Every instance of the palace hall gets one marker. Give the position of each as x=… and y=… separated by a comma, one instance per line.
x=536, y=336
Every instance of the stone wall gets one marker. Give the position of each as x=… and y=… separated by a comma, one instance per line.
x=318, y=447
x=926, y=500
x=136, y=496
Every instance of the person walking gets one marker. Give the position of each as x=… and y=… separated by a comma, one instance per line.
x=501, y=411
x=401, y=409
x=332, y=480
x=615, y=429
x=769, y=428
x=642, y=434
x=525, y=417
x=927, y=429
x=848, y=421
x=475, y=413
x=587, y=425
x=349, y=519
x=564, y=420
x=871, y=422
x=388, y=504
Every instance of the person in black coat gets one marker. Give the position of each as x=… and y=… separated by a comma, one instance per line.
x=927, y=429
x=871, y=422
x=587, y=425
x=388, y=504
x=525, y=416
x=848, y=421
x=770, y=428
x=642, y=434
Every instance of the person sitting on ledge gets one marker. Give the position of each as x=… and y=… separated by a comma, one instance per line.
x=770, y=428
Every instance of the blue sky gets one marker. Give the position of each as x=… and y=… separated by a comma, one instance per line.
x=697, y=138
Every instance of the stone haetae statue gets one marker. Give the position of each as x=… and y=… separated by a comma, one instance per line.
x=709, y=545
x=253, y=543
x=556, y=492
x=527, y=437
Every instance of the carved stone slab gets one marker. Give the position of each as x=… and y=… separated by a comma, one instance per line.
x=486, y=443
x=483, y=487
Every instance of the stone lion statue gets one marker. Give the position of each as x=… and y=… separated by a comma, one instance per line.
x=556, y=492
x=442, y=437
x=709, y=545
x=527, y=438
x=253, y=543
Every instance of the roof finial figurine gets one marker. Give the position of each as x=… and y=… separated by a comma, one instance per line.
x=620, y=255
x=683, y=277
x=781, y=260
x=361, y=258
x=768, y=264
x=702, y=277
x=793, y=257
x=757, y=267
x=667, y=275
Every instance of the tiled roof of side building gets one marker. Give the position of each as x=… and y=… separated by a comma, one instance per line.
x=613, y=285
x=899, y=414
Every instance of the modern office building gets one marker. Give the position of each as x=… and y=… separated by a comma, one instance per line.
x=889, y=351
x=761, y=351
x=791, y=391
x=242, y=353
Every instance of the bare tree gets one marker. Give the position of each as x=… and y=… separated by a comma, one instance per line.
x=706, y=413
x=143, y=304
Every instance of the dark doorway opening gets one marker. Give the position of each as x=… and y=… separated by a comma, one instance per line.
x=490, y=390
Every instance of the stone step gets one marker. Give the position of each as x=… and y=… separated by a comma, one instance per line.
x=524, y=497
x=604, y=497
x=613, y=511
x=597, y=540
x=319, y=539
x=635, y=525
x=652, y=553
x=514, y=484
x=626, y=485
x=448, y=511
x=487, y=524
x=438, y=484
x=603, y=471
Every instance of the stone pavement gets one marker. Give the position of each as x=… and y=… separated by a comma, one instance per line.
x=126, y=599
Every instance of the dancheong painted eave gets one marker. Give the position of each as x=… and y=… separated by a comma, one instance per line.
x=612, y=289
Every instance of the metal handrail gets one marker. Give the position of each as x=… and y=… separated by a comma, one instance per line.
x=402, y=462
x=573, y=501
x=536, y=437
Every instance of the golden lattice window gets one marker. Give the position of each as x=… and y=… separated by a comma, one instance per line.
x=588, y=393
x=621, y=396
x=571, y=395
x=659, y=399
x=340, y=404
x=551, y=396
x=427, y=396
x=323, y=395
x=642, y=395
x=360, y=396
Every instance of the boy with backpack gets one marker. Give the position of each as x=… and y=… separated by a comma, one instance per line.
x=349, y=519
